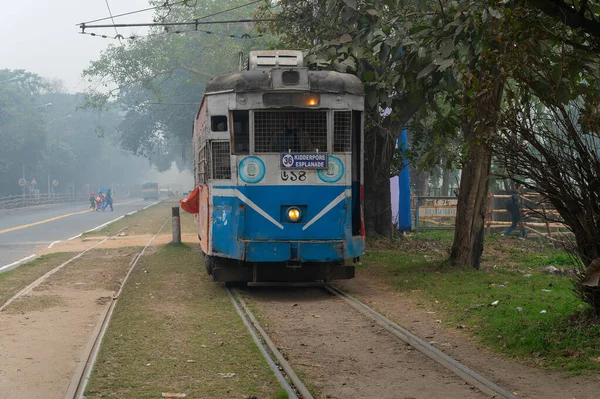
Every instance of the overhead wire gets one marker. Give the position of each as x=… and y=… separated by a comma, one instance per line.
x=207, y=32
x=165, y=4
x=113, y=20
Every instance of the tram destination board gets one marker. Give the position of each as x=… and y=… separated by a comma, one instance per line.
x=304, y=160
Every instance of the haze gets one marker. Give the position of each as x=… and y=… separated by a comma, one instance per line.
x=42, y=36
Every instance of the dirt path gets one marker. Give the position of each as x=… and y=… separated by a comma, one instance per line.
x=524, y=381
x=344, y=355
x=42, y=335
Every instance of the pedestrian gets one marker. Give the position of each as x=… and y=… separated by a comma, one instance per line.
x=513, y=206
x=108, y=201
x=92, y=201
x=99, y=200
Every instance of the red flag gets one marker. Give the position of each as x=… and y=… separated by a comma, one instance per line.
x=192, y=203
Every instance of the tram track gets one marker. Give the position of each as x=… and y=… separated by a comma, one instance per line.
x=82, y=374
x=295, y=388
x=44, y=277
x=272, y=354
x=471, y=377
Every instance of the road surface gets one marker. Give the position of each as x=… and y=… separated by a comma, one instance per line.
x=24, y=230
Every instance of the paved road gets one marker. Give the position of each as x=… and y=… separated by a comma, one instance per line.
x=22, y=230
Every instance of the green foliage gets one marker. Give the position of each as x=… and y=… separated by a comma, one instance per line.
x=158, y=80
x=560, y=338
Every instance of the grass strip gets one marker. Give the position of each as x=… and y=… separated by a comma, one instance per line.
x=15, y=280
x=174, y=330
x=147, y=221
x=537, y=317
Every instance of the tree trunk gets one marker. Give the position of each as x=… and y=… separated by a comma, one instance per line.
x=422, y=184
x=445, y=183
x=478, y=126
x=380, y=145
x=379, y=149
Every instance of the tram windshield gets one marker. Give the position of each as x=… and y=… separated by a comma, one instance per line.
x=290, y=131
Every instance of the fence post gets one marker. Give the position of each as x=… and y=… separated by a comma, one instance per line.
x=176, y=225
x=490, y=214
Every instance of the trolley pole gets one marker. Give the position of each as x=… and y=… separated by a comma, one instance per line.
x=176, y=225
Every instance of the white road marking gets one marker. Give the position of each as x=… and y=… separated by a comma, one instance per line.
x=17, y=262
x=146, y=207
x=105, y=224
x=77, y=236
x=55, y=242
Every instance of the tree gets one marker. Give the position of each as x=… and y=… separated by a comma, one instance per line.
x=21, y=127
x=550, y=123
x=158, y=80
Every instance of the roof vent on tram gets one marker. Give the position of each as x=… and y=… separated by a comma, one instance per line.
x=267, y=59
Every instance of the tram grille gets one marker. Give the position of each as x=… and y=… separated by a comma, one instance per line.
x=342, y=131
x=220, y=160
x=295, y=131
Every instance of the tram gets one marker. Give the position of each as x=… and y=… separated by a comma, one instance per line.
x=279, y=172
x=150, y=191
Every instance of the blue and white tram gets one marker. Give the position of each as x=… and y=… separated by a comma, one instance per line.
x=279, y=164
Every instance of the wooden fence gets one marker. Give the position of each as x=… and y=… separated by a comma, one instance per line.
x=537, y=216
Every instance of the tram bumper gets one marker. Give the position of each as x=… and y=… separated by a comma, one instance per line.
x=287, y=261
x=299, y=251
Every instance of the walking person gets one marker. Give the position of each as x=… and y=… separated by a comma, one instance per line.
x=513, y=206
x=108, y=201
x=99, y=201
x=92, y=201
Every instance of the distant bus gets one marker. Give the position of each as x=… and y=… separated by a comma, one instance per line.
x=150, y=191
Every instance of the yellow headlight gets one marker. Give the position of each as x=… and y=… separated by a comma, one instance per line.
x=312, y=100
x=294, y=214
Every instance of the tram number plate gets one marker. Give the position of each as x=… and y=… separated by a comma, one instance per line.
x=293, y=176
x=304, y=160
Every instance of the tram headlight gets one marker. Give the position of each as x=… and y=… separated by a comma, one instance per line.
x=312, y=100
x=294, y=214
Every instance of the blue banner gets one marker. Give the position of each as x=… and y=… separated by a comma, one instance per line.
x=304, y=160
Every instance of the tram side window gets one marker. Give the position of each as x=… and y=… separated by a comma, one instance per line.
x=220, y=160
x=241, y=132
x=218, y=123
x=342, y=131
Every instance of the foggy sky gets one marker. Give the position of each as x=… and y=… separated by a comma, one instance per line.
x=42, y=36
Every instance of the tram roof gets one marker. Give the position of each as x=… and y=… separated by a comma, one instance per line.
x=260, y=80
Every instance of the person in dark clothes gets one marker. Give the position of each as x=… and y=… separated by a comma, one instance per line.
x=108, y=201
x=513, y=206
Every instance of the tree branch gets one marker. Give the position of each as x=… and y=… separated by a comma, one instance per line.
x=569, y=15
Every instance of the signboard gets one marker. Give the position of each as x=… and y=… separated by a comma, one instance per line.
x=22, y=182
x=304, y=160
x=33, y=182
x=435, y=212
x=55, y=182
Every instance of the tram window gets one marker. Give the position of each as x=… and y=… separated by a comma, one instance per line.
x=220, y=160
x=342, y=131
x=218, y=123
x=294, y=131
x=290, y=78
x=241, y=132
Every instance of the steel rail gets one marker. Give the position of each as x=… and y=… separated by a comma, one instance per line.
x=82, y=374
x=254, y=326
x=40, y=280
x=468, y=375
